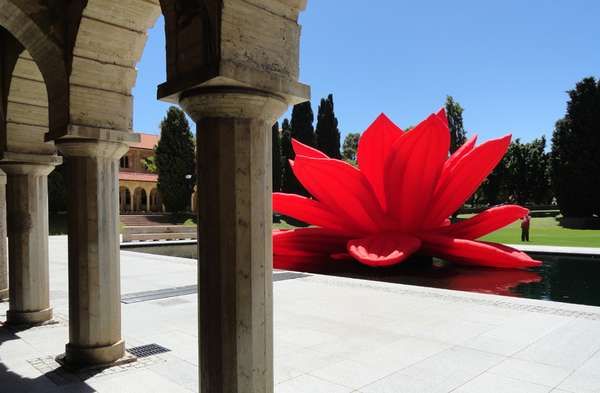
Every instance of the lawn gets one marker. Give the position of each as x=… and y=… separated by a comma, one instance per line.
x=544, y=231
x=282, y=225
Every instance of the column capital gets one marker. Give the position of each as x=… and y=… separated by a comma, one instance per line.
x=232, y=102
x=24, y=168
x=76, y=147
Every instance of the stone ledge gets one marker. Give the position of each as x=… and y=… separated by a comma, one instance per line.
x=36, y=159
x=231, y=74
x=75, y=131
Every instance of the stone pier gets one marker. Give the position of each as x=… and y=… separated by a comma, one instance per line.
x=94, y=270
x=234, y=257
x=27, y=222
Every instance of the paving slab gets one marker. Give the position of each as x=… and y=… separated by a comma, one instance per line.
x=331, y=335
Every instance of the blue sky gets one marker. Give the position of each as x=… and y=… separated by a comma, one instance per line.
x=508, y=63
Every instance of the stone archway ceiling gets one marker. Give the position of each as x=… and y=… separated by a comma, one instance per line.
x=27, y=109
x=110, y=41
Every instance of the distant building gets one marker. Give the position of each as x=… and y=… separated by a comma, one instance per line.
x=137, y=186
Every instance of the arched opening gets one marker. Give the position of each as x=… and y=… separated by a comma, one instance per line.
x=93, y=101
x=104, y=70
x=140, y=200
x=41, y=51
x=26, y=88
x=155, y=201
x=27, y=109
x=124, y=200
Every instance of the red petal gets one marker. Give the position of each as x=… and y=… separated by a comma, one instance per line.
x=469, y=252
x=486, y=222
x=465, y=177
x=448, y=170
x=383, y=249
x=310, y=211
x=453, y=160
x=442, y=116
x=308, y=242
x=374, y=147
x=412, y=171
x=342, y=188
x=304, y=150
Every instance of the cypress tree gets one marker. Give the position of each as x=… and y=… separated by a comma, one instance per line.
x=276, y=143
x=301, y=129
x=327, y=132
x=575, y=168
x=175, y=161
x=289, y=183
x=454, y=112
x=302, y=124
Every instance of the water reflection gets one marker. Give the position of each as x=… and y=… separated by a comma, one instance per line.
x=560, y=278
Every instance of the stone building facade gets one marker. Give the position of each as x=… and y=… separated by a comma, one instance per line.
x=138, y=191
x=67, y=69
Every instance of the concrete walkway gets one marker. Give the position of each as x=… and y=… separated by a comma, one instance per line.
x=331, y=335
x=556, y=249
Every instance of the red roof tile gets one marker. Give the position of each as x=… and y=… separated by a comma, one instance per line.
x=147, y=141
x=136, y=176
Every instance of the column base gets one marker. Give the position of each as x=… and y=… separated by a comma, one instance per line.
x=3, y=294
x=86, y=358
x=28, y=318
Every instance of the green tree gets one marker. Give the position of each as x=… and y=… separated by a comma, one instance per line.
x=575, y=167
x=454, y=112
x=327, y=132
x=527, y=171
x=302, y=123
x=150, y=164
x=301, y=129
x=521, y=176
x=288, y=180
x=175, y=161
x=351, y=147
x=493, y=190
x=276, y=158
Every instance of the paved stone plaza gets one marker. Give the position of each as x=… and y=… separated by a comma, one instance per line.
x=331, y=335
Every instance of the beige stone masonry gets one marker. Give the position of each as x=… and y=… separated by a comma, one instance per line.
x=234, y=256
x=94, y=271
x=27, y=219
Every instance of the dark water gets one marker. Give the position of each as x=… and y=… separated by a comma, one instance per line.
x=564, y=278
x=570, y=279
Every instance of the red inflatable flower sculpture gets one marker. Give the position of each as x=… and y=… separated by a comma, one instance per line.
x=397, y=202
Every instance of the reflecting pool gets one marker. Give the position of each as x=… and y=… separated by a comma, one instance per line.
x=562, y=278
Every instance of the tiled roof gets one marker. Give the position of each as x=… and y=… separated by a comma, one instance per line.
x=147, y=141
x=136, y=176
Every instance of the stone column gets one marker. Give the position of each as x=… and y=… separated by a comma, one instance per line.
x=3, y=240
x=27, y=222
x=235, y=257
x=94, y=271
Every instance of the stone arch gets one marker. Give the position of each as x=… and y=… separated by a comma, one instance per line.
x=109, y=43
x=125, y=199
x=155, y=201
x=46, y=54
x=27, y=112
x=140, y=200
